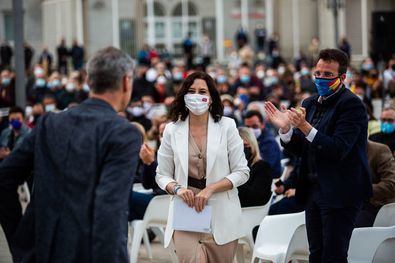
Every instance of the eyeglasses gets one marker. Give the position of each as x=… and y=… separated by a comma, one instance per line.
x=325, y=74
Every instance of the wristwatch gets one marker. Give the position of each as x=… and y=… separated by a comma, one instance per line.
x=176, y=188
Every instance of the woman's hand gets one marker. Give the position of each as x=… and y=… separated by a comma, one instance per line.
x=187, y=195
x=201, y=198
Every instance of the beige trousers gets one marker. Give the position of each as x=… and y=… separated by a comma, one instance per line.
x=192, y=247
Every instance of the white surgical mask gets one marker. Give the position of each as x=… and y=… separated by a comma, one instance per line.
x=50, y=107
x=70, y=87
x=228, y=111
x=196, y=103
x=137, y=111
x=260, y=74
x=257, y=132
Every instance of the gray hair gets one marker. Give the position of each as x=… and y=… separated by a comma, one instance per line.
x=248, y=135
x=106, y=69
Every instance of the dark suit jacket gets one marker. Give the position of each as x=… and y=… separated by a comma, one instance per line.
x=83, y=161
x=339, y=148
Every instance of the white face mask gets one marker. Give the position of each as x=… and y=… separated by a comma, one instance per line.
x=50, y=107
x=257, y=132
x=137, y=111
x=196, y=103
x=228, y=111
x=70, y=87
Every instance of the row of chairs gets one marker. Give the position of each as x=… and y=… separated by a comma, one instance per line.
x=281, y=238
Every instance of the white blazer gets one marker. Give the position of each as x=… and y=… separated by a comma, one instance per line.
x=225, y=159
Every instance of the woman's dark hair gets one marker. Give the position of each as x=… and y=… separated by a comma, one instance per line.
x=178, y=109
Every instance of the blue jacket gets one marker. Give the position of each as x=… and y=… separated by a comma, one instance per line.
x=83, y=160
x=339, y=150
x=270, y=151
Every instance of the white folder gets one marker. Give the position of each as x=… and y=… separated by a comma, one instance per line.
x=186, y=218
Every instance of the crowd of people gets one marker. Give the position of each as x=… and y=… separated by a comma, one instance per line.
x=244, y=85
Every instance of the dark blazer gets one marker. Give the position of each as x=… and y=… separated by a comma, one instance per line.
x=339, y=150
x=270, y=151
x=258, y=189
x=83, y=162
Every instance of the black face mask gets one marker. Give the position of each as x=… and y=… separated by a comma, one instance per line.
x=248, y=153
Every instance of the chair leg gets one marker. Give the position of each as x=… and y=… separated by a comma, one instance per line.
x=147, y=244
x=250, y=241
x=138, y=232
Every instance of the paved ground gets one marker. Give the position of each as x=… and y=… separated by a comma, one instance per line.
x=160, y=254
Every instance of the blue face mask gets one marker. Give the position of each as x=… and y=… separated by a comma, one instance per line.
x=40, y=83
x=326, y=87
x=6, y=81
x=245, y=79
x=15, y=124
x=221, y=79
x=387, y=127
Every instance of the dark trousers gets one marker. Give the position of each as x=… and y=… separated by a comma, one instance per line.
x=286, y=206
x=367, y=215
x=138, y=203
x=329, y=230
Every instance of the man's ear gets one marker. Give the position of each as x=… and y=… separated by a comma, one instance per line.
x=125, y=83
x=343, y=77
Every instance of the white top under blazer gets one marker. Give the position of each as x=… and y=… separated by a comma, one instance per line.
x=225, y=159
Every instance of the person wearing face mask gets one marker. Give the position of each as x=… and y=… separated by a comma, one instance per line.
x=13, y=136
x=257, y=190
x=250, y=82
x=136, y=113
x=201, y=160
x=83, y=162
x=328, y=133
x=268, y=147
x=7, y=90
x=387, y=134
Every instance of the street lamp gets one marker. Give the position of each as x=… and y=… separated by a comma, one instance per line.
x=335, y=5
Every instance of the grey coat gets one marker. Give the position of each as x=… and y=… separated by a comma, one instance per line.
x=83, y=162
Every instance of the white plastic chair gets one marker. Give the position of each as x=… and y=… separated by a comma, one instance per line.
x=274, y=236
x=385, y=216
x=365, y=242
x=251, y=217
x=385, y=253
x=155, y=216
x=298, y=248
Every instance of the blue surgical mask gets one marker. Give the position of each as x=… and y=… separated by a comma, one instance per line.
x=177, y=76
x=245, y=79
x=221, y=79
x=387, y=127
x=6, y=81
x=54, y=83
x=326, y=87
x=16, y=125
x=40, y=83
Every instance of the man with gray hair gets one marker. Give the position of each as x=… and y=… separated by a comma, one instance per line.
x=83, y=161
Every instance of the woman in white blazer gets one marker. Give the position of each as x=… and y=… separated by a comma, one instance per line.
x=201, y=160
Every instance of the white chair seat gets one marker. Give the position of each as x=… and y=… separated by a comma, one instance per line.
x=275, y=235
x=365, y=242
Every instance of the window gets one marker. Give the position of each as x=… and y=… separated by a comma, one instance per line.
x=158, y=9
x=192, y=11
x=9, y=27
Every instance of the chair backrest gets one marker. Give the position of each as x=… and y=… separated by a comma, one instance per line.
x=386, y=216
x=365, y=242
x=298, y=246
x=275, y=232
x=157, y=211
x=385, y=253
x=253, y=216
x=5, y=255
